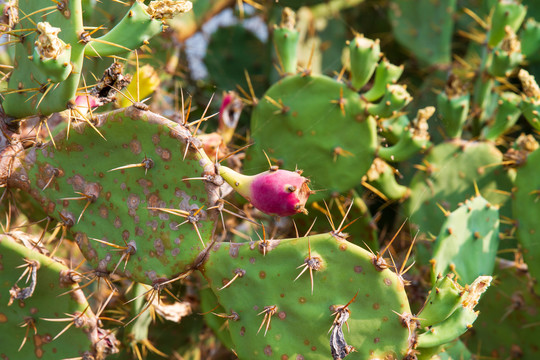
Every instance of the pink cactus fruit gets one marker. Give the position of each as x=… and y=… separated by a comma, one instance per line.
x=229, y=114
x=274, y=192
x=215, y=144
x=86, y=102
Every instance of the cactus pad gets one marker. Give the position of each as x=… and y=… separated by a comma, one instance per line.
x=468, y=241
x=525, y=207
x=133, y=206
x=334, y=145
x=30, y=311
x=448, y=175
x=281, y=317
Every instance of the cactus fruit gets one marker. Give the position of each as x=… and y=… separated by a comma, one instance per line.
x=276, y=192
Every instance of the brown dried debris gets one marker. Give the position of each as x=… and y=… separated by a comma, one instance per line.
x=167, y=9
x=113, y=80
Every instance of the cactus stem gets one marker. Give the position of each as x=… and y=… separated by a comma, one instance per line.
x=268, y=312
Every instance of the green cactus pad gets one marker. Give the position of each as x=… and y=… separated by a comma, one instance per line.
x=509, y=13
x=121, y=206
x=18, y=320
x=18, y=101
x=451, y=170
x=530, y=40
x=364, y=55
x=286, y=41
x=504, y=62
x=507, y=325
x=131, y=32
x=454, y=111
x=525, y=207
x=441, y=302
x=428, y=40
x=456, y=325
x=459, y=321
x=300, y=320
x=508, y=112
x=386, y=74
x=309, y=130
x=468, y=241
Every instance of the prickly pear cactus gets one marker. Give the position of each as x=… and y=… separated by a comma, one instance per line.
x=140, y=194
x=508, y=316
x=313, y=133
x=430, y=40
x=525, y=204
x=449, y=174
x=301, y=307
x=40, y=308
x=468, y=241
x=142, y=208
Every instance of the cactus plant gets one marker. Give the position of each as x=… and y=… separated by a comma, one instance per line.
x=186, y=217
